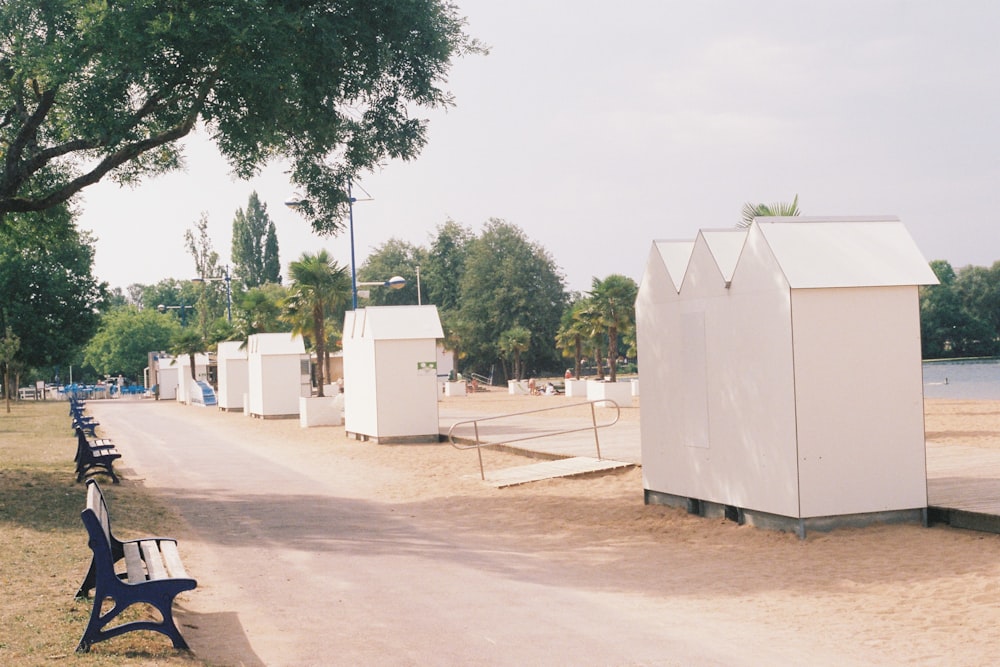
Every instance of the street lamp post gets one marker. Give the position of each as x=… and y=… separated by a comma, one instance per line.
x=351, y=199
x=229, y=292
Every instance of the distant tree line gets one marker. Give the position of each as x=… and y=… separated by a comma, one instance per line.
x=961, y=316
x=502, y=299
x=504, y=306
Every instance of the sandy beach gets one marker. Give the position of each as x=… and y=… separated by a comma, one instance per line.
x=726, y=594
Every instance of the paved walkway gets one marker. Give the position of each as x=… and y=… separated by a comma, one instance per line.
x=304, y=564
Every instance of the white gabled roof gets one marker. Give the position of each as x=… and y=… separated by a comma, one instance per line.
x=725, y=246
x=675, y=255
x=232, y=349
x=275, y=343
x=393, y=323
x=844, y=252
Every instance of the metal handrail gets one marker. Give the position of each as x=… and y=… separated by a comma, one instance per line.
x=478, y=444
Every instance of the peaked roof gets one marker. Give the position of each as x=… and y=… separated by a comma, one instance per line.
x=393, y=323
x=275, y=343
x=726, y=245
x=675, y=255
x=844, y=252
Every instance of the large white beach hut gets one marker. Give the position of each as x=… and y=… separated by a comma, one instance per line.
x=782, y=373
x=277, y=374
x=233, y=375
x=390, y=373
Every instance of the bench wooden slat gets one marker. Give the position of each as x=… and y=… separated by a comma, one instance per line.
x=154, y=562
x=133, y=563
x=172, y=559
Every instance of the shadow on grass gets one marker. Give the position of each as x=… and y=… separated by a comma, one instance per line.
x=40, y=499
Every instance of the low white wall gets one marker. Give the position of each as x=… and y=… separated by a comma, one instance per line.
x=619, y=392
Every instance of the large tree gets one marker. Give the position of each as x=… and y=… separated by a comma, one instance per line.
x=510, y=281
x=95, y=89
x=49, y=296
x=952, y=320
x=211, y=302
x=392, y=258
x=255, y=246
x=444, y=266
x=125, y=338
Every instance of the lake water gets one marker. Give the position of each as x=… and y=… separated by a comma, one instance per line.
x=979, y=379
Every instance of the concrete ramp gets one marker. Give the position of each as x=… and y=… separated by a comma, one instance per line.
x=577, y=465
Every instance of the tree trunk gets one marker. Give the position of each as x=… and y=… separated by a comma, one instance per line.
x=320, y=333
x=613, y=353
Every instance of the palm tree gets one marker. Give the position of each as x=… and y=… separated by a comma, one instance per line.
x=572, y=334
x=190, y=342
x=751, y=211
x=614, y=300
x=512, y=343
x=319, y=286
x=588, y=318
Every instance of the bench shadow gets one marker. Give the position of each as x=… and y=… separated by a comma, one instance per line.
x=217, y=638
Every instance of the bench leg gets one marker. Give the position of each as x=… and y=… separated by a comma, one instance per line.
x=163, y=602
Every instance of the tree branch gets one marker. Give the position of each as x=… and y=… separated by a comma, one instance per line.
x=110, y=162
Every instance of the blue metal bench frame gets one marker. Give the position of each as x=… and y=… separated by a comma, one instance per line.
x=94, y=457
x=153, y=574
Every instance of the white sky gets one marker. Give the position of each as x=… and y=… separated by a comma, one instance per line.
x=597, y=129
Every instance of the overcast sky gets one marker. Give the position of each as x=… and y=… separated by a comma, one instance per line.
x=597, y=129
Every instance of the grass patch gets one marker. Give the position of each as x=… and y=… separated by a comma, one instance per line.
x=43, y=546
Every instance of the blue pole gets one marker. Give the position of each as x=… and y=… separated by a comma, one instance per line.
x=354, y=276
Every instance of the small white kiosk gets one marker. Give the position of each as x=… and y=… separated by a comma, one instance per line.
x=186, y=387
x=166, y=378
x=277, y=375
x=782, y=374
x=233, y=375
x=390, y=373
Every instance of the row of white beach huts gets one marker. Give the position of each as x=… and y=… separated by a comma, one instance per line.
x=390, y=362
x=781, y=372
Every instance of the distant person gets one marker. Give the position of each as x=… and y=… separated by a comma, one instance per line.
x=532, y=389
x=569, y=373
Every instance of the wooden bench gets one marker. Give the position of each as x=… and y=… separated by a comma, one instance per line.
x=94, y=456
x=81, y=420
x=152, y=574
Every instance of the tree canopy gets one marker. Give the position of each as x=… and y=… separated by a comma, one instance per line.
x=49, y=296
x=960, y=317
x=255, y=246
x=90, y=90
x=125, y=338
x=319, y=287
x=508, y=281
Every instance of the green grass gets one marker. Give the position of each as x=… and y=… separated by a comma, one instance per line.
x=43, y=546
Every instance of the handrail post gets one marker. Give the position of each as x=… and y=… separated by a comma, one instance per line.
x=479, y=451
x=593, y=419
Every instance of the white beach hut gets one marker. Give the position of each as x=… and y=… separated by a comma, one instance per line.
x=277, y=375
x=233, y=375
x=390, y=373
x=782, y=364
x=186, y=387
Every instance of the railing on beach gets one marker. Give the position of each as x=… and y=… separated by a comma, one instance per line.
x=478, y=444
